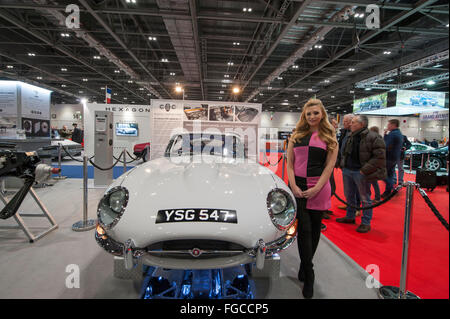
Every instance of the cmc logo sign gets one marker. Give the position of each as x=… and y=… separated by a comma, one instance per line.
x=167, y=107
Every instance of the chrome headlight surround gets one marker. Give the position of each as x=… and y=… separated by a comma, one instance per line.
x=105, y=207
x=288, y=210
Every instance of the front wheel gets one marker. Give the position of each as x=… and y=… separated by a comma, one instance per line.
x=433, y=164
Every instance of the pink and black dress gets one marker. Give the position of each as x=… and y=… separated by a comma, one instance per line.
x=310, y=161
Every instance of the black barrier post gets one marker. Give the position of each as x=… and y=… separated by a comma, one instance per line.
x=390, y=292
x=284, y=165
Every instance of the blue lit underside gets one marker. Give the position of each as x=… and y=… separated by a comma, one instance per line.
x=230, y=283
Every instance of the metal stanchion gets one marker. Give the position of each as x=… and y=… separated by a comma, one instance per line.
x=410, y=163
x=391, y=292
x=421, y=162
x=124, y=160
x=59, y=163
x=84, y=224
x=284, y=165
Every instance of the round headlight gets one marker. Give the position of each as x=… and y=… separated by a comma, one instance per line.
x=117, y=200
x=112, y=206
x=278, y=203
x=281, y=207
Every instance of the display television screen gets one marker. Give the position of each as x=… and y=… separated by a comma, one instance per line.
x=374, y=102
x=408, y=98
x=127, y=129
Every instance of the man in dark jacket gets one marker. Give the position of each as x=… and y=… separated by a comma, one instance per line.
x=394, y=145
x=363, y=160
x=77, y=134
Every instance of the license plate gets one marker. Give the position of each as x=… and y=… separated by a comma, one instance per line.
x=196, y=215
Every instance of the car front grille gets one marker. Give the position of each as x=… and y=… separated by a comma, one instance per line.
x=202, y=244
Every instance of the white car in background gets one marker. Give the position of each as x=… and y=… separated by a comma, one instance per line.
x=51, y=151
x=202, y=206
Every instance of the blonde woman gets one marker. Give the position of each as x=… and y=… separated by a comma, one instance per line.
x=312, y=154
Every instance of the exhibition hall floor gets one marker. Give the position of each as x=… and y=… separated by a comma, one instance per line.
x=42, y=269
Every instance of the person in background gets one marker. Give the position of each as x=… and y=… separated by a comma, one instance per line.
x=374, y=184
x=393, y=138
x=363, y=161
x=77, y=134
x=344, y=134
x=312, y=153
x=334, y=123
x=401, y=163
x=326, y=215
x=434, y=143
x=64, y=132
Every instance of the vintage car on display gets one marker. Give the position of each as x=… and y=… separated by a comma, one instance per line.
x=204, y=205
x=73, y=148
x=433, y=158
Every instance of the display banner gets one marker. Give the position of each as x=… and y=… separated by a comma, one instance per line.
x=170, y=116
x=8, y=98
x=35, y=102
x=435, y=116
x=370, y=103
x=408, y=98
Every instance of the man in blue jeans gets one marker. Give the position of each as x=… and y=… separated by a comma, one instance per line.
x=394, y=145
x=363, y=161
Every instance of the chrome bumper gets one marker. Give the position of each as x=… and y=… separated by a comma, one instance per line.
x=201, y=259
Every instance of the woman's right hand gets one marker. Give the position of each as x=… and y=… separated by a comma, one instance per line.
x=297, y=192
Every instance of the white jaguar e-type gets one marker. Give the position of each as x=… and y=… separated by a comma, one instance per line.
x=202, y=206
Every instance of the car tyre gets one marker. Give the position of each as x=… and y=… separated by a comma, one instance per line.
x=144, y=155
x=434, y=164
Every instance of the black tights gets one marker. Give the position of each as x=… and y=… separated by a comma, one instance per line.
x=309, y=230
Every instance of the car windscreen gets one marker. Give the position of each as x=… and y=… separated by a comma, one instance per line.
x=205, y=144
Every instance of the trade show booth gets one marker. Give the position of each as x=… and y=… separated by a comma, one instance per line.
x=156, y=123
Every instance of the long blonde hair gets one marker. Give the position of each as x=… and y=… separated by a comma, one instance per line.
x=326, y=130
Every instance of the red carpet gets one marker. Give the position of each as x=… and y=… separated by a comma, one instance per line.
x=428, y=275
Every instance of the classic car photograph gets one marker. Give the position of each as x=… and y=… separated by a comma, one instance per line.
x=196, y=113
x=202, y=206
x=423, y=100
x=246, y=114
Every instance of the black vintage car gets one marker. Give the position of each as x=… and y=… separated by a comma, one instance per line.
x=433, y=158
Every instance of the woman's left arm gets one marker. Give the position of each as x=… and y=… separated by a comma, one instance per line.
x=326, y=174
